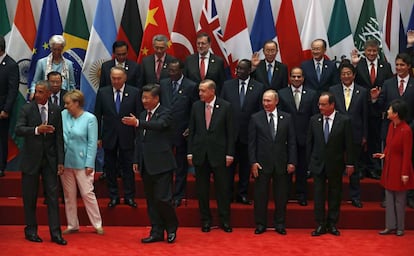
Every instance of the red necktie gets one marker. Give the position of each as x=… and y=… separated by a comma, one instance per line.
x=372, y=73
x=149, y=115
x=202, y=68
x=158, y=71
x=208, y=115
x=401, y=87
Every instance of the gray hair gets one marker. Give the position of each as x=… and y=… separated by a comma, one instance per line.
x=160, y=37
x=44, y=83
x=57, y=39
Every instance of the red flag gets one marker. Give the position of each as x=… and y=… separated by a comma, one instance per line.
x=183, y=36
x=288, y=35
x=155, y=24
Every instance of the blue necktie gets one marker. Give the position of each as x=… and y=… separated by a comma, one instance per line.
x=118, y=101
x=242, y=93
x=326, y=130
x=175, y=87
x=318, y=71
x=269, y=73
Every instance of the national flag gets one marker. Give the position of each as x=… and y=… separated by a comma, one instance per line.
x=288, y=35
x=313, y=28
x=393, y=35
x=236, y=36
x=4, y=21
x=76, y=35
x=367, y=27
x=49, y=25
x=263, y=28
x=183, y=36
x=23, y=34
x=99, y=50
x=130, y=30
x=410, y=25
x=339, y=32
x=155, y=24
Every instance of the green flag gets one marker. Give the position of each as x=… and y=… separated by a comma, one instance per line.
x=367, y=27
x=4, y=19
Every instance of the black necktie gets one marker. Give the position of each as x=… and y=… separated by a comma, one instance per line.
x=242, y=93
x=175, y=87
x=272, y=126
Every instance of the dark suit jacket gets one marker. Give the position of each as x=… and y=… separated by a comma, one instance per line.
x=215, y=70
x=279, y=78
x=337, y=152
x=363, y=77
x=215, y=142
x=110, y=128
x=133, y=69
x=329, y=76
x=155, y=144
x=180, y=105
x=36, y=147
x=307, y=108
x=357, y=111
x=252, y=104
x=272, y=155
x=61, y=101
x=148, y=69
x=9, y=83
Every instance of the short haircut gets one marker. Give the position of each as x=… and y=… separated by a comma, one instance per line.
x=118, y=68
x=204, y=34
x=297, y=68
x=177, y=61
x=118, y=44
x=57, y=39
x=210, y=83
x=154, y=89
x=272, y=91
x=405, y=57
x=54, y=73
x=371, y=43
x=270, y=42
x=249, y=62
x=323, y=42
x=400, y=107
x=160, y=38
x=76, y=96
x=348, y=65
x=43, y=83
x=331, y=97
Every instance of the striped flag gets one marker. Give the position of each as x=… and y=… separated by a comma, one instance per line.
x=263, y=28
x=4, y=21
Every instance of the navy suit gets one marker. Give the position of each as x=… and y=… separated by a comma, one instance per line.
x=279, y=77
x=180, y=104
x=148, y=69
x=133, y=70
x=241, y=117
x=117, y=138
x=308, y=107
x=329, y=75
x=273, y=155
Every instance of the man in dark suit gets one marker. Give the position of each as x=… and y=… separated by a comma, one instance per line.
x=154, y=67
x=113, y=103
x=155, y=160
x=133, y=69
x=40, y=124
x=320, y=73
x=272, y=155
x=204, y=64
x=9, y=86
x=178, y=94
x=329, y=150
x=57, y=93
x=211, y=150
x=352, y=101
x=270, y=72
x=301, y=103
x=371, y=72
x=245, y=95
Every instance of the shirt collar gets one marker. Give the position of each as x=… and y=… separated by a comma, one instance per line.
x=154, y=109
x=121, y=89
x=300, y=88
x=246, y=81
x=350, y=87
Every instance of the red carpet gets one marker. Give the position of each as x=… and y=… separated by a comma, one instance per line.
x=122, y=241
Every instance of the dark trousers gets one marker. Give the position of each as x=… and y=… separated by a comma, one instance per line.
x=354, y=180
x=221, y=178
x=158, y=193
x=181, y=171
x=128, y=177
x=4, y=140
x=242, y=160
x=301, y=182
x=373, y=144
x=334, y=183
x=261, y=198
x=30, y=186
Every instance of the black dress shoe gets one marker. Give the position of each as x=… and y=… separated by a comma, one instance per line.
x=281, y=231
x=59, y=240
x=226, y=227
x=410, y=203
x=34, y=238
x=357, y=203
x=130, y=202
x=302, y=202
x=151, y=239
x=102, y=177
x=387, y=231
x=373, y=175
x=2, y=173
x=243, y=200
x=320, y=230
x=382, y=204
x=177, y=203
x=399, y=233
x=206, y=227
x=113, y=202
x=334, y=231
x=171, y=237
x=259, y=229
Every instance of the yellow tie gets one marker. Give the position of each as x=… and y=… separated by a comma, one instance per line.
x=347, y=97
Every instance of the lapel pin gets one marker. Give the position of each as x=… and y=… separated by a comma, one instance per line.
x=3, y=63
x=357, y=91
x=126, y=68
x=180, y=91
x=280, y=117
x=165, y=66
x=126, y=94
x=303, y=91
x=320, y=119
x=325, y=66
x=250, y=88
x=381, y=65
x=217, y=106
x=212, y=60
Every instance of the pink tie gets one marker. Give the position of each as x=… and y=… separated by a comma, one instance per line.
x=208, y=115
x=202, y=68
x=401, y=87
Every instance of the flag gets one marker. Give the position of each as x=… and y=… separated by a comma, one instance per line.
x=99, y=50
x=394, y=39
x=263, y=28
x=236, y=36
x=4, y=21
x=288, y=35
x=313, y=28
x=183, y=36
x=339, y=32
x=155, y=24
x=130, y=30
x=49, y=25
x=367, y=27
x=209, y=23
x=410, y=25
x=76, y=35
x=23, y=34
